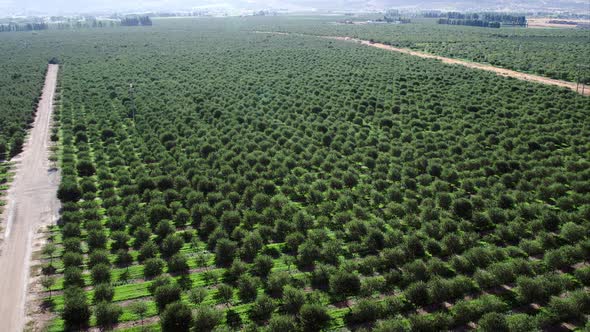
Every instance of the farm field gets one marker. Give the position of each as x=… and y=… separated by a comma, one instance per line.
x=554, y=53
x=218, y=179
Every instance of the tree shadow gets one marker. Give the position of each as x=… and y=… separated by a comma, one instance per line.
x=48, y=304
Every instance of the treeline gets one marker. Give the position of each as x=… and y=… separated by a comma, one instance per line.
x=469, y=22
x=23, y=27
x=394, y=16
x=136, y=21
x=14, y=27
x=66, y=25
x=488, y=20
x=505, y=19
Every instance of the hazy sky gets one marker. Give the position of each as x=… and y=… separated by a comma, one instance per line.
x=85, y=6
x=11, y=7
x=60, y=6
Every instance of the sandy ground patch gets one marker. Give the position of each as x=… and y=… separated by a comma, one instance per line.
x=544, y=22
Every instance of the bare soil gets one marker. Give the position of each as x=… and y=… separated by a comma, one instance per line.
x=31, y=204
x=544, y=22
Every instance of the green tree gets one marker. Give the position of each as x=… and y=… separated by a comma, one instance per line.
x=68, y=190
x=262, y=309
x=197, y=295
x=140, y=309
x=313, y=317
x=493, y=322
x=344, y=284
x=177, y=317
x=207, y=318
x=281, y=323
x=225, y=252
x=153, y=267
x=225, y=293
x=107, y=315
x=166, y=294
x=76, y=312
x=47, y=282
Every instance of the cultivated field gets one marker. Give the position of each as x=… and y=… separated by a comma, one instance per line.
x=214, y=178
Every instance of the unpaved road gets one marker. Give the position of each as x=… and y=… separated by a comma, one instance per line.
x=582, y=89
x=31, y=203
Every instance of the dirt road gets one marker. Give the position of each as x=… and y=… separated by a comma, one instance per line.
x=31, y=203
x=582, y=89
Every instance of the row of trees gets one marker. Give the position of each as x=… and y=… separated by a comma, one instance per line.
x=136, y=21
x=23, y=27
x=554, y=53
x=78, y=24
x=21, y=81
x=283, y=189
x=469, y=22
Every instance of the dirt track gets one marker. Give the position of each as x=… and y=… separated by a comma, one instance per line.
x=500, y=71
x=31, y=203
